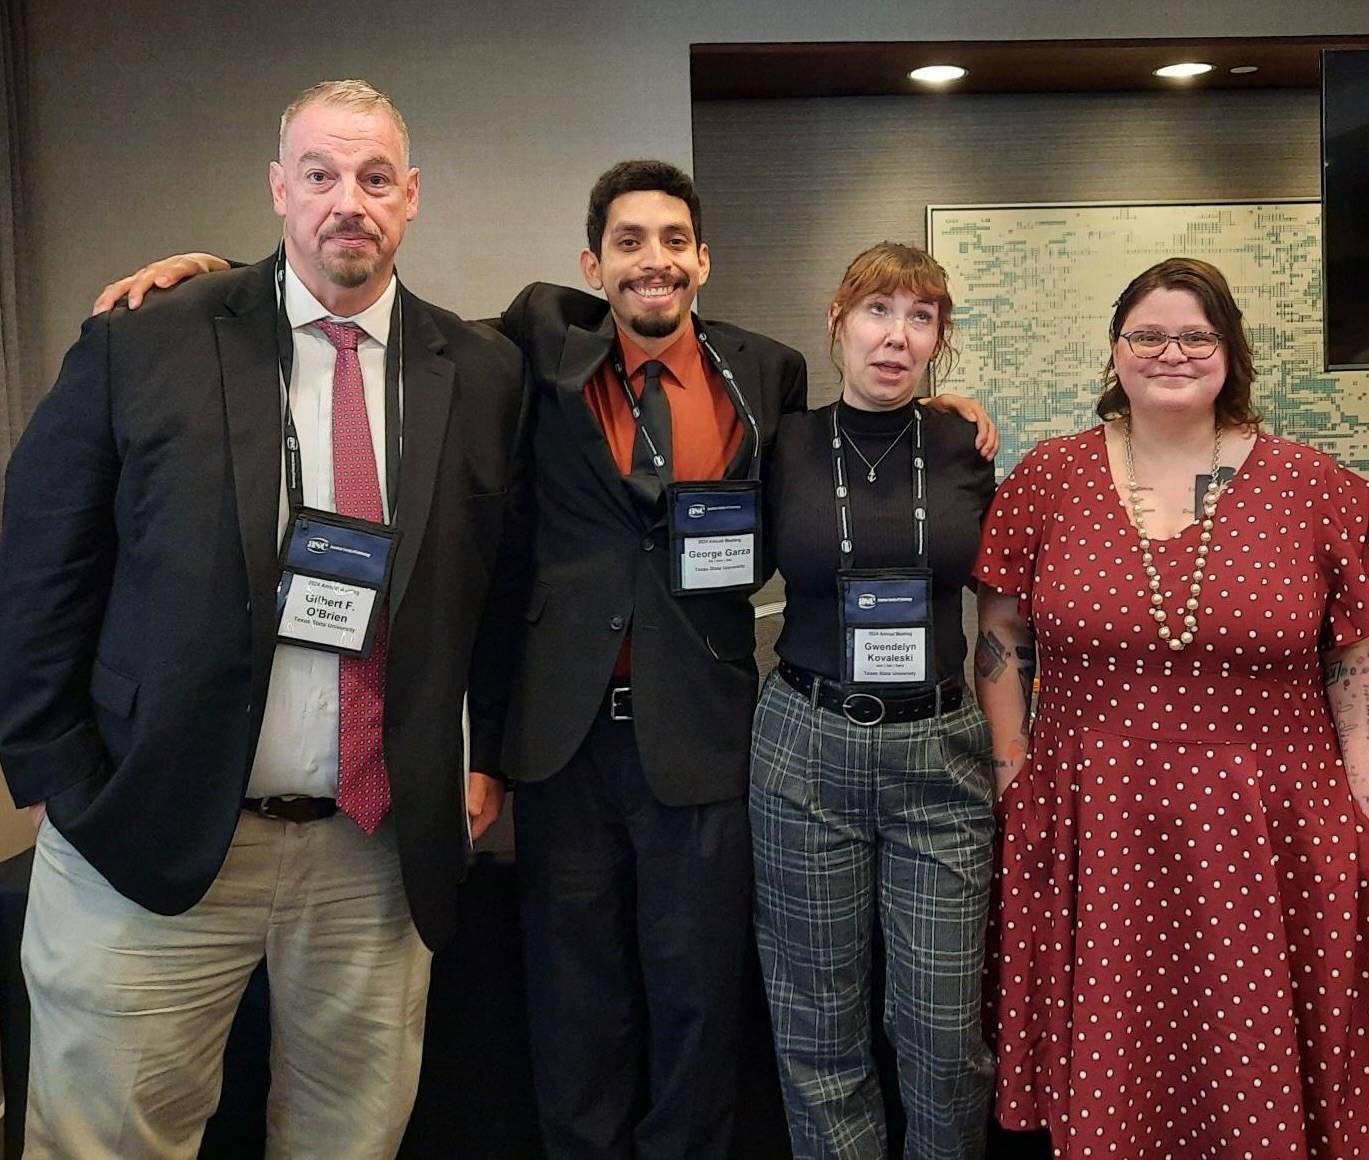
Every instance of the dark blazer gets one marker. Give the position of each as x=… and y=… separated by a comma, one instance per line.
x=600, y=567
x=138, y=567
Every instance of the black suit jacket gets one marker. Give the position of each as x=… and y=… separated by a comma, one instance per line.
x=599, y=567
x=138, y=567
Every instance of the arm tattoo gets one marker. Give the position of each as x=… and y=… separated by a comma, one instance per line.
x=1347, y=691
x=990, y=657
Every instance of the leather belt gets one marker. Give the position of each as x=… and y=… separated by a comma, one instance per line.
x=618, y=702
x=868, y=709
x=291, y=809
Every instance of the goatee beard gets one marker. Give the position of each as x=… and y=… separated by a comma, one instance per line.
x=655, y=325
x=348, y=272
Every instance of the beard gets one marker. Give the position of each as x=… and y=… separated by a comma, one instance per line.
x=349, y=272
x=655, y=325
x=347, y=268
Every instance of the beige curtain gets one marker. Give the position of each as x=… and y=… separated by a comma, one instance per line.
x=18, y=392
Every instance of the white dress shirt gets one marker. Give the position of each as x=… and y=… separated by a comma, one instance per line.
x=298, y=749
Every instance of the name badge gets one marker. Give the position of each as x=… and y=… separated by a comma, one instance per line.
x=886, y=626
x=334, y=577
x=714, y=536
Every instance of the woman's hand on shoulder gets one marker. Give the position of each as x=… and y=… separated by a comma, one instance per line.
x=986, y=437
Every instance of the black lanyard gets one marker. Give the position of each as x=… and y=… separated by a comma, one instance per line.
x=285, y=352
x=660, y=461
x=845, y=539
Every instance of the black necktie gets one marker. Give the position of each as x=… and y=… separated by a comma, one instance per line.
x=645, y=482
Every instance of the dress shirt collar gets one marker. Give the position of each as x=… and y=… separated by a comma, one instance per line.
x=303, y=309
x=681, y=357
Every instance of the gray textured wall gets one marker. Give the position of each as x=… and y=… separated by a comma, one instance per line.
x=154, y=118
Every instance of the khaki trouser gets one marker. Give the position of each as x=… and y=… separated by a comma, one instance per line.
x=131, y=1009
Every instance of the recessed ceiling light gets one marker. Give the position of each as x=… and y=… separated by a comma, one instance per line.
x=937, y=74
x=1242, y=69
x=1188, y=68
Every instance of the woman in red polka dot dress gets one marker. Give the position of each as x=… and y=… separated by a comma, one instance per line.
x=1182, y=935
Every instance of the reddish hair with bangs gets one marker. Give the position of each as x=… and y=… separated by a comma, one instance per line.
x=887, y=268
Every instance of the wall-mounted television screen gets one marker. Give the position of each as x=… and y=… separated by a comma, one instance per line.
x=1345, y=206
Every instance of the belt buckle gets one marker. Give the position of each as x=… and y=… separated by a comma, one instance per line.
x=264, y=809
x=620, y=703
x=849, y=710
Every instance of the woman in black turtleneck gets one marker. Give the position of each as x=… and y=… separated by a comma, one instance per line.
x=876, y=794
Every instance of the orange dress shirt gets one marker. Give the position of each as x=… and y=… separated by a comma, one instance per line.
x=705, y=429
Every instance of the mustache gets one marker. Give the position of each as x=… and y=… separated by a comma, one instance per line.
x=351, y=230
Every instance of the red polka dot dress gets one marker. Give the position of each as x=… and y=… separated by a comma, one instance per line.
x=1182, y=919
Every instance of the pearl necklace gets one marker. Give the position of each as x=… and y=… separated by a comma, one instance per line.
x=1180, y=641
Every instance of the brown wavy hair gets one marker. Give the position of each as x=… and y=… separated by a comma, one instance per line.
x=1207, y=284
x=885, y=269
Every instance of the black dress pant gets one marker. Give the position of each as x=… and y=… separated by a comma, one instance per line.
x=635, y=921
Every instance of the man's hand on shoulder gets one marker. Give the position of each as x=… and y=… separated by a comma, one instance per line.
x=484, y=800
x=162, y=275
x=986, y=441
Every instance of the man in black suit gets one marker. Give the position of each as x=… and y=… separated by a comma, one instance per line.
x=213, y=793
x=628, y=734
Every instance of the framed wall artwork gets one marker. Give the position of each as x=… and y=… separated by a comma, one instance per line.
x=1034, y=287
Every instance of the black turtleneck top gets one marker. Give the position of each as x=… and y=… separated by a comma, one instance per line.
x=801, y=522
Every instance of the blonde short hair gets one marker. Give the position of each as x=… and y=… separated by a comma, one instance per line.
x=351, y=94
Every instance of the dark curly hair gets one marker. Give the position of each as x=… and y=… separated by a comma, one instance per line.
x=633, y=177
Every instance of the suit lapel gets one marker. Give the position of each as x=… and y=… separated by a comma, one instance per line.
x=746, y=372
x=251, y=396
x=584, y=352
x=430, y=384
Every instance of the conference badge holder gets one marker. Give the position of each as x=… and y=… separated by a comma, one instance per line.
x=714, y=528
x=885, y=613
x=334, y=579
x=886, y=626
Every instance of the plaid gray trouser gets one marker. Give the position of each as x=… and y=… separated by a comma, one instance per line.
x=844, y=817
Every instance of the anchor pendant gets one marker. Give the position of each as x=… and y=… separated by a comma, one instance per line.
x=871, y=477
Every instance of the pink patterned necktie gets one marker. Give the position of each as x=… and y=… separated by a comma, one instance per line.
x=363, y=782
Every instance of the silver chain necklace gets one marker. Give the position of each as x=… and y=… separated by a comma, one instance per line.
x=871, y=477
x=1184, y=637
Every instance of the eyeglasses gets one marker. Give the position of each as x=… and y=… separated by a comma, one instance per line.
x=1154, y=343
